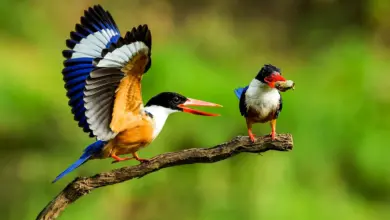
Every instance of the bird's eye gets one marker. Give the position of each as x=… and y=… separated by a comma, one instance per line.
x=176, y=99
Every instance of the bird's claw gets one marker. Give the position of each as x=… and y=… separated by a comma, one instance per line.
x=116, y=160
x=273, y=136
x=252, y=138
x=131, y=158
x=141, y=160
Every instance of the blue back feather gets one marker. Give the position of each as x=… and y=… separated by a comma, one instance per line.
x=97, y=31
x=239, y=91
x=88, y=153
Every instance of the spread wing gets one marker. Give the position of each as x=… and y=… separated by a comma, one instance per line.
x=95, y=32
x=101, y=62
x=112, y=94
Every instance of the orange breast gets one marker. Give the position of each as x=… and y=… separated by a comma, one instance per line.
x=131, y=140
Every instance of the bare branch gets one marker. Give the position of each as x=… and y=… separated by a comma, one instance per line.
x=83, y=185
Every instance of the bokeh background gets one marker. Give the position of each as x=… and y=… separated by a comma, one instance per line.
x=337, y=52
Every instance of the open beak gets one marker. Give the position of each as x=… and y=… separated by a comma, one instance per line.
x=274, y=77
x=194, y=102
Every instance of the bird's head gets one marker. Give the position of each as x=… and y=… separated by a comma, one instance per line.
x=171, y=102
x=270, y=74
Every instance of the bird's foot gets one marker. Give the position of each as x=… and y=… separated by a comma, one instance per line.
x=141, y=160
x=273, y=136
x=119, y=159
x=251, y=136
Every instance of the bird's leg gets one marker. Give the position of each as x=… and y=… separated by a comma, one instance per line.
x=119, y=159
x=250, y=134
x=273, y=129
x=135, y=156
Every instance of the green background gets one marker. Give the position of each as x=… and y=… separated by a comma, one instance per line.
x=336, y=51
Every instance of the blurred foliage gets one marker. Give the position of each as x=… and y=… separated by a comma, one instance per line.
x=336, y=51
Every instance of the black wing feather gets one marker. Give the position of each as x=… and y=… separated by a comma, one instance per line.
x=243, y=108
x=280, y=107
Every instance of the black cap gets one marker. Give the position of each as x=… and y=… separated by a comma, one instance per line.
x=167, y=100
x=265, y=71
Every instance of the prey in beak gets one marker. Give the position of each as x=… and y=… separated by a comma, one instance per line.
x=260, y=104
x=273, y=78
x=193, y=102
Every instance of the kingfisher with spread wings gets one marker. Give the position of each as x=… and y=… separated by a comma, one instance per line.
x=102, y=74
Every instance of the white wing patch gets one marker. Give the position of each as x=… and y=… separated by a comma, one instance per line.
x=122, y=55
x=93, y=44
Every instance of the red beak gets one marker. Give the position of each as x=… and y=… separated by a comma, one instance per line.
x=194, y=102
x=274, y=77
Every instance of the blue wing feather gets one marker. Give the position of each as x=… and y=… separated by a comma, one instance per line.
x=239, y=91
x=90, y=151
x=76, y=67
x=113, y=40
x=74, y=100
x=77, y=61
x=96, y=28
x=75, y=90
x=76, y=81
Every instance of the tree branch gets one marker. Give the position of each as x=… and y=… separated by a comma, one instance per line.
x=83, y=185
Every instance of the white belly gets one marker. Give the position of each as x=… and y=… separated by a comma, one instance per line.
x=262, y=100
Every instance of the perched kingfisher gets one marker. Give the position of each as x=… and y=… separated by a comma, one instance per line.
x=261, y=102
x=102, y=74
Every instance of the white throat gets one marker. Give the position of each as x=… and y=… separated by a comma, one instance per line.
x=160, y=115
x=256, y=86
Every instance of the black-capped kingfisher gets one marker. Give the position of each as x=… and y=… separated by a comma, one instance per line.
x=102, y=74
x=261, y=102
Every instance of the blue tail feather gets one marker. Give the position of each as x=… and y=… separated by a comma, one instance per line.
x=240, y=91
x=88, y=153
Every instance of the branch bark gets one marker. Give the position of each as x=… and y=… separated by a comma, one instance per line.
x=83, y=185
